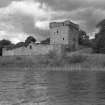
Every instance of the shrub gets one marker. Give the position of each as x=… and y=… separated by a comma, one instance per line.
x=76, y=59
x=53, y=59
x=56, y=62
x=44, y=61
x=18, y=58
x=103, y=64
x=51, y=55
x=3, y=64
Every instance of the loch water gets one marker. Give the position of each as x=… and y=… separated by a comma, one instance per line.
x=36, y=87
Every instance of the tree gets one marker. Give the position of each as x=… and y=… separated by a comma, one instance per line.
x=100, y=38
x=29, y=40
x=46, y=41
x=101, y=25
x=20, y=44
x=83, y=38
x=4, y=43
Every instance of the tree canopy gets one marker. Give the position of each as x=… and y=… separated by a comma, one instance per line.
x=83, y=38
x=19, y=44
x=100, y=38
x=4, y=43
x=29, y=40
x=101, y=24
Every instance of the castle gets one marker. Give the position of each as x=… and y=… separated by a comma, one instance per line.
x=64, y=34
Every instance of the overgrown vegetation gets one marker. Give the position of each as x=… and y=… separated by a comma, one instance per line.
x=52, y=60
x=99, y=41
x=84, y=39
x=18, y=58
x=76, y=59
x=49, y=60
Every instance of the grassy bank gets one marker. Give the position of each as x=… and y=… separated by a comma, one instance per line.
x=51, y=61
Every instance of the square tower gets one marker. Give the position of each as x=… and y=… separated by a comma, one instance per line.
x=64, y=33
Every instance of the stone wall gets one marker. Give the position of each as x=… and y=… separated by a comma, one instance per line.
x=64, y=33
x=59, y=35
x=35, y=50
x=73, y=38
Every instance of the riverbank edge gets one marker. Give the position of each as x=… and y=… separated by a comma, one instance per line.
x=52, y=69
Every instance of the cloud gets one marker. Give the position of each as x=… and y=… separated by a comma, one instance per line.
x=86, y=12
x=13, y=36
x=33, y=16
x=4, y=3
x=88, y=17
x=25, y=17
x=42, y=24
x=70, y=5
x=35, y=9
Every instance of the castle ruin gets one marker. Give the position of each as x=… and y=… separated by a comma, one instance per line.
x=62, y=35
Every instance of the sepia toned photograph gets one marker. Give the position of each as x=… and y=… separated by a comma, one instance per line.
x=52, y=52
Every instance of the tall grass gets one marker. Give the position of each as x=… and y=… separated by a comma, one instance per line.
x=74, y=59
x=51, y=59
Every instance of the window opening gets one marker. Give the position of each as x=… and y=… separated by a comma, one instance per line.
x=57, y=31
x=30, y=47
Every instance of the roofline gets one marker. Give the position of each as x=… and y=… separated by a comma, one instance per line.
x=65, y=23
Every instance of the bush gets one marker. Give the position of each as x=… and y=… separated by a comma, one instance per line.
x=76, y=59
x=51, y=55
x=3, y=64
x=44, y=62
x=56, y=62
x=102, y=64
x=53, y=59
x=18, y=58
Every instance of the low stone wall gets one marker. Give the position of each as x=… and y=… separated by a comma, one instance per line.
x=35, y=50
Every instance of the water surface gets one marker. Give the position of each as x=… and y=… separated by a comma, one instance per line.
x=52, y=87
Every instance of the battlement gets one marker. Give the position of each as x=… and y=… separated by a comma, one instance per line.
x=65, y=23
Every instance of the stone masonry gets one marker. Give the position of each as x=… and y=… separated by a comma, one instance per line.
x=64, y=33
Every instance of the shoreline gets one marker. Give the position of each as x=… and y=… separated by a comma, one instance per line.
x=73, y=62
x=67, y=69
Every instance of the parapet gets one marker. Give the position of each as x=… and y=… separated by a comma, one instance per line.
x=65, y=23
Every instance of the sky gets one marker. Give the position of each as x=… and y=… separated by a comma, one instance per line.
x=21, y=18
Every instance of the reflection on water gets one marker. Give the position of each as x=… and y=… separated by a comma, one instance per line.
x=100, y=89
x=52, y=88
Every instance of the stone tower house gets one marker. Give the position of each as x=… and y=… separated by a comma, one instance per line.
x=64, y=33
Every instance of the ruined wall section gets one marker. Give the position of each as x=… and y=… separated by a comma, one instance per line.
x=62, y=35
x=34, y=50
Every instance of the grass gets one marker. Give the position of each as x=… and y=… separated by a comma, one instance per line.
x=76, y=59
x=51, y=60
